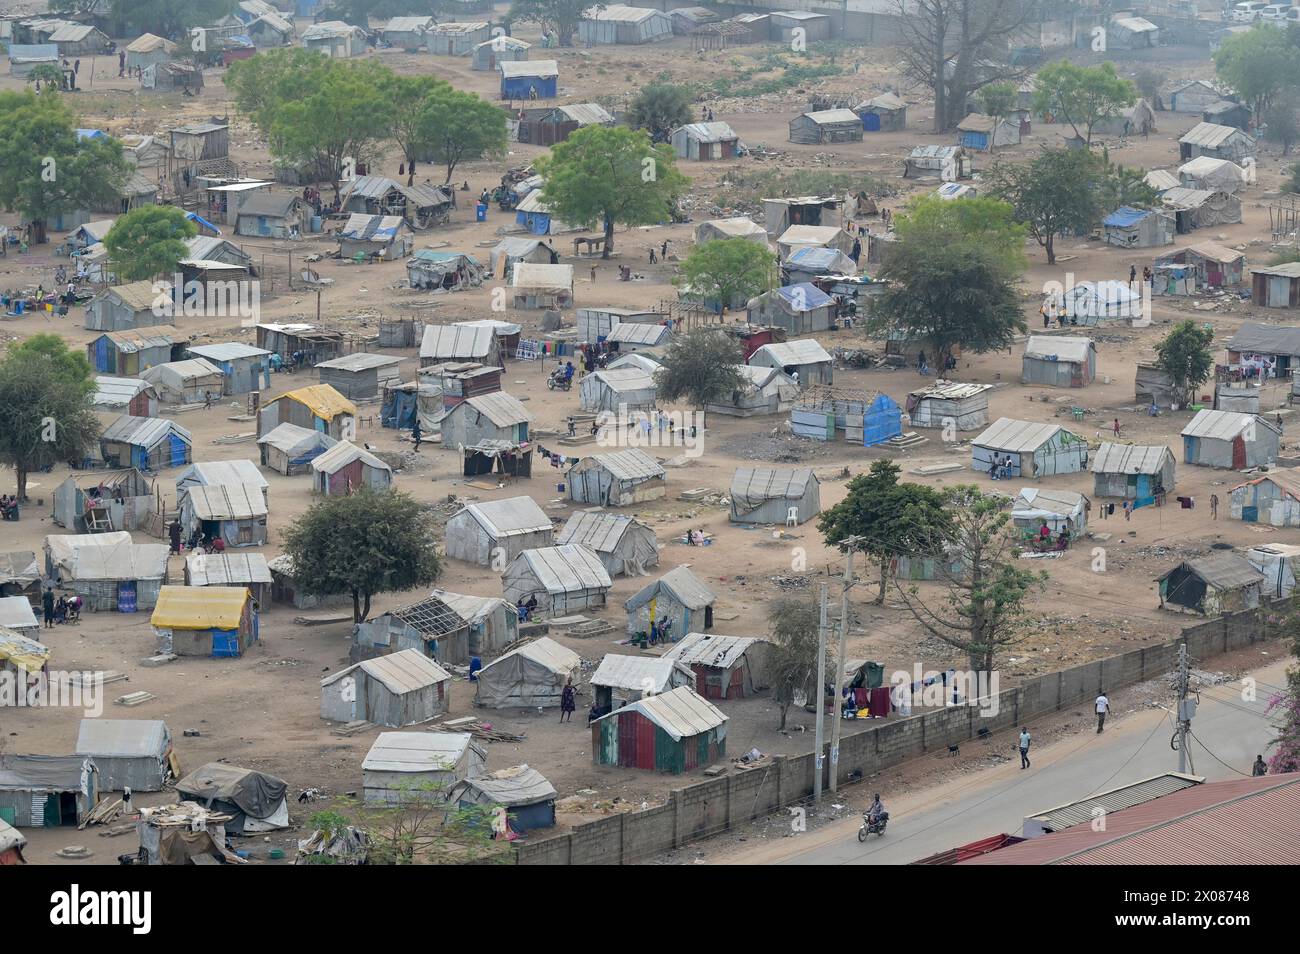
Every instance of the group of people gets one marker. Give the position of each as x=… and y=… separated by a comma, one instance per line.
x=1002, y=468
x=60, y=610
x=8, y=507
x=197, y=543
x=696, y=538
x=526, y=609
x=1046, y=541
x=663, y=253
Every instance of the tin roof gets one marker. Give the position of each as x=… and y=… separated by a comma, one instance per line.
x=709, y=132
x=456, y=341
x=138, y=296
x=548, y=653
x=681, y=584
x=1222, y=425
x=566, y=569
x=502, y=43
x=1070, y=348
x=502, y=409
x=797, y=352
x=122, y=738
x=341, y=455
x=1160, y=180
x=951, y=391
x=117, y=392
x=407, y=670
x=143, y=431
x=617, y=12
x=510, y=517
x=1222, y=570
x=637, y=672
x=885, y=101
x=321, y=399
x=630, y=464
x=828, y=117
x=1217, y=253
x=416, y=751
x=1008, y=434
x=1249, y=821
x=227, y=569
x=542, y=69
x=222, y=472
x=360, y=361
x=227, y=501
x=1287, y=480
x=587, y=114
x=1210, y=135
x=16, y=612
x=1130, y=458
x=680, y=712
x=226, y=351
x=598, y=530
x=711, y=649
x=1289, y=270
x=199, y=607
x=408, y=24
x=33, y=53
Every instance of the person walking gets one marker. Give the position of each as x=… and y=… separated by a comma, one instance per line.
x=1117, y=428
x=1259, y=768
x=663, y=251
x=1128, y=510
x=857, y=250
x=1132, y=275
x=1214, y=506
x=1103, y=706
x=593, y=273
x=1024, y=747
x=121, y=63
x=47, y=605
x=568, y=702
x=174, y=533
x=416, y=434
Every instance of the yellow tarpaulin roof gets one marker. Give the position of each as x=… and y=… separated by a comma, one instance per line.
x=199, y=607
x=23, y=651
x=324, y=401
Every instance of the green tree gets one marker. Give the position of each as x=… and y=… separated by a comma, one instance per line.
x=172, y=18
x=560, y=16
x=1292, y=181
x=456, y=126
x=1258, y=64
x=45, y=412
x=952, y=271
x=1149, y=83
x=261, y=83
x=727, y=269
x=1280, y=123
x=997, y=100
x=701, y=366
x=370, y=542
x=884, y=518
x=659, y=109
x=1055, y=194
x=148, y=241
x=1185, y=356
x=1083, y=96
x=47, y=169
x=792, y=655
x=983, y=606
x=1123, y=185
x=604, y=175
x=411, y=129
x=48, y=75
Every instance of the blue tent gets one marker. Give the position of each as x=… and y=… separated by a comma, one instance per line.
x=1125, y=216
x=881, y=421
x=519, y=77
x=91, y=134
x=202, y=222
x=804, y=296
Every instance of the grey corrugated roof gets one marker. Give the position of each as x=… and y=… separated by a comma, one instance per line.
x=143, y=431
x=445, y=342
x=122, y=738
x=1222, y=425
x=361, y=361
x=273, y=204
x=1116, y=799
x=1289, y=270
x=502, y=409
x=1069, y=348
x=1129, y=458
x=710, y=649
x=511, y=787
x=587, y=114
x=600, y=531
x=227, y=569
x=681, y=713
x=138, y=296
x=1008, y=434
x=680, y=583
x=566, y=569
x=227, y=351
x=407, y=670
x=636, y=672
x=341, y=455
x=117, y=392
x=709, y=132
x=635, y=332
x=630, y=464
x=509, y=517
x=227, y=501
x=547, y=652
x=951, y=391
x=1210, y=135
x=800, y=351
x=1224, y=570
x=416, y=751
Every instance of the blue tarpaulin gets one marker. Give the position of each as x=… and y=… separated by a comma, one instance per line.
x=804, y=296
x=1125, y=216
x=191, y=216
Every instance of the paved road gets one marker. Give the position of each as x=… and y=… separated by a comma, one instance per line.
x=998, y=799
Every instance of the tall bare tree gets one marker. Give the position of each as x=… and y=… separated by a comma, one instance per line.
x=957, y=47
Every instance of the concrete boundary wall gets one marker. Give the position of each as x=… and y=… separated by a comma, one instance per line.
x=706, y=808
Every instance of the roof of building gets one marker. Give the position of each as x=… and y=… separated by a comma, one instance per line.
x=1223, y=570
x=1135, y=24
x=537, y=275
x=1130, y=458
x=143, y=431
x=711, y=649
x=1211, y=135
x=1265, y=339
x=625, y=379
x=738, y=226
x=1183, y=198
x=566, y=569
x=138, y=296
x=636, y=672
x=1125, y=217
x=542, y=69
x=16, y=612
x=752, y=486
x=630, y=464
x=1008, y=434
x=72, y=33
x=1289, y=270
x=681, y=584
x=797, y=352
x=586, y=114
x=329, y=28
x=978, y=122
x=680, y=712
x=276, y=205
x=341, y=455
x=951, y=391
x=19, y=566
x=407, y=670
x=417, y=751
x=1207, y=165
x=227, y=351
x=503, y=42
x=622, y=13
x=227, y=501
x=512, y=787
x=42, y=773
x=510, y=517
x=1223, y=425
x=1033, y=502
x=1114, y=800
x=1286, y=479
x=546, y=652
x=1070, y=348
x=360, y=361
x=240, y=471
x=372, y=228
x=1214, y=252
x=599, y=530
x=1161, y=179
x=499, y=407
x=1249, y=821
x=122, y=738
x=452, y=28
x=830, y=117
x=708, y=132
x=200, y=607
x=23, y=651
x=408, y=24
x=33, y=53
x=189, y=369
x=117, y=392
x=227, y=569
x=292, y=439
x=442, y=342
x=322, y=399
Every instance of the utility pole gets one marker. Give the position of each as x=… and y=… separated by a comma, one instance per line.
x=1186, y=710
x=839, y=659
x=819, y=697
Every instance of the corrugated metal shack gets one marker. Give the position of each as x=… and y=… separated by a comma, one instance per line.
x=764, y=495
x=673, y=732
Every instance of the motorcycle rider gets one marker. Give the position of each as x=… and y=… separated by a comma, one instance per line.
x=568, y=372
x=876, y=813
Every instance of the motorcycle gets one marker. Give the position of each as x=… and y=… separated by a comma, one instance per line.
x=871, y=826
x=559, y=381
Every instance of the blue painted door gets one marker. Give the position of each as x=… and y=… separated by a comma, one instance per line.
x=225, y=643
x=126, y=596
x=871, y=122
x=177, y=450
x=1144, y=496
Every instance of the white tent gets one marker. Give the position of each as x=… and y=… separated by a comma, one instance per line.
x=533, y=675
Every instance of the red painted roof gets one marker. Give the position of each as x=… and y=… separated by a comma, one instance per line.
x=1253, y=821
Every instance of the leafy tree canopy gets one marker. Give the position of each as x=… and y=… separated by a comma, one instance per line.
x=1083, y=96
x=701, y=366
x=148, y=241
x=728, y=269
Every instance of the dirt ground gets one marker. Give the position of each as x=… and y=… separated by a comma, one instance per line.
x=262, y=711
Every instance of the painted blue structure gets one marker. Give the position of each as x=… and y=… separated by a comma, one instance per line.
x=202, y=222
x=519, y=85
x=881, y=421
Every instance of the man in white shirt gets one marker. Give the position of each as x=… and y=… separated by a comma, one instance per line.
x=1103, y=706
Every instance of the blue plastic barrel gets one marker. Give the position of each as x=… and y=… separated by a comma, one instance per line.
x=480, y=212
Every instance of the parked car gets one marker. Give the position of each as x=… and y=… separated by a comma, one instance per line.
x=1275, y=11
x=1247, y=12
